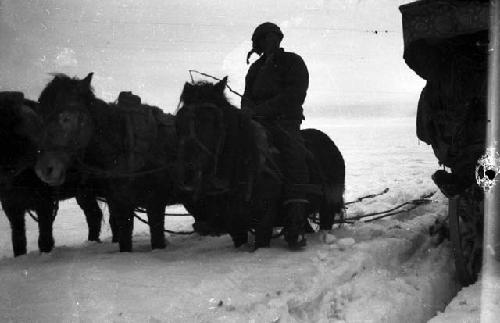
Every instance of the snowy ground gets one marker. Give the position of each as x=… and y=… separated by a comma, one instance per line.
x=384, y=271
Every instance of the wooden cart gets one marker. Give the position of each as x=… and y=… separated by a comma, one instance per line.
x=446, y=43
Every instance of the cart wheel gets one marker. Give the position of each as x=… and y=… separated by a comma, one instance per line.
x=465, y=215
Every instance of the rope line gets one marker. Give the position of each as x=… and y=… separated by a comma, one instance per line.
x=424, y=199
x=215, y=78
x=164, y=230
x=369, y=196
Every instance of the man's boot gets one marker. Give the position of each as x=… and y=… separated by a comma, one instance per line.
x=295, y=224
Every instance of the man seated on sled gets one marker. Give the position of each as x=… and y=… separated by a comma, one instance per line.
x=275, y=89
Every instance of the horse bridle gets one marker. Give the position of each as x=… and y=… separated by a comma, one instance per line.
x=74, y=147
x=192, y=137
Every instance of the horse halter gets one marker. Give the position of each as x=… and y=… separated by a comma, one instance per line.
x=74, y=145
x=190, y=112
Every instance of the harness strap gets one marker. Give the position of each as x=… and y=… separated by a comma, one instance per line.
x=289, y=201
x=131, y=140
x=115, y=174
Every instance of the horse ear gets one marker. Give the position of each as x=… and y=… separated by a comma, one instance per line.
x=221, y=86
x=187, y=89
x=88, y=79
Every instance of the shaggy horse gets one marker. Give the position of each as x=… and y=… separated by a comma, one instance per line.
x=21, y=190
x=223, y=153
x=130, y=146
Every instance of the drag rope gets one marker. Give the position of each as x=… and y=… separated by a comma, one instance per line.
x=424, y=199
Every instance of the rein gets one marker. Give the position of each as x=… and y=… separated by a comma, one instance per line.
x=92, y=170
x=215, y=78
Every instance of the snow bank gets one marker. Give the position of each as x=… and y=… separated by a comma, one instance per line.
x=479, y=302
x=392, y=273
x=384, y=271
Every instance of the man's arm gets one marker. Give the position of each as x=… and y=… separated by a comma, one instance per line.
x=246, y=100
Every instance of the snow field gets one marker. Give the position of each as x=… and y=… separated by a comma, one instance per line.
x=385, y=271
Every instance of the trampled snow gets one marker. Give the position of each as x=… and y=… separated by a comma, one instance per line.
x=389, y=270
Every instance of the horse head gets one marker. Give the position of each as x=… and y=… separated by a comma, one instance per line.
x=68, y=127
x=19, y=130
x=201, y=133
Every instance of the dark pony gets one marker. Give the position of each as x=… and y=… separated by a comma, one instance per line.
x=129, y=145
x=20, y=189
x=224, y=153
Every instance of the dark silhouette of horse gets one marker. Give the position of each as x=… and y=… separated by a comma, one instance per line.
x=130, y=145
x=21, y=190
x=224, y=153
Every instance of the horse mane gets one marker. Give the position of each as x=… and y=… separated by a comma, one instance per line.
x=65, y=84
x=204, y=92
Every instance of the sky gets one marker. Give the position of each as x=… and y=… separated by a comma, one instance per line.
x=352, y=48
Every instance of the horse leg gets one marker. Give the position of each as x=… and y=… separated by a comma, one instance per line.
x=15, y=214
x=331, y=205
x=93, y=213
x=156, y=219
x=113, y=225
x=238, y=228
x=45, y=211
x=264, y=228
x=240, y=237
x=326, y=217
x=295, y=224
x=124, y=220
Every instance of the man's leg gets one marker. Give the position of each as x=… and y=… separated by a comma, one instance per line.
x=291, y=145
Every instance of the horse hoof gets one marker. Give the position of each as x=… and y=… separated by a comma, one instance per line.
x=296, y=245
x=125, y=247
x=247, y=248
x=19, y=249
x=161, y=245
x=266, y=244
x=239, y=241
x=46, y=246
x=18, y=253
x=95, y=239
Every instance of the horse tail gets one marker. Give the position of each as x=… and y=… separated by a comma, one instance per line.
x=331, y=170
x=334, y=199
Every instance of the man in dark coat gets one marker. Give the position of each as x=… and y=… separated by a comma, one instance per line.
x=275, y=89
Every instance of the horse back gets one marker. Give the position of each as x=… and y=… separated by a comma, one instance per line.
x=325, y=155
x=150, y=133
